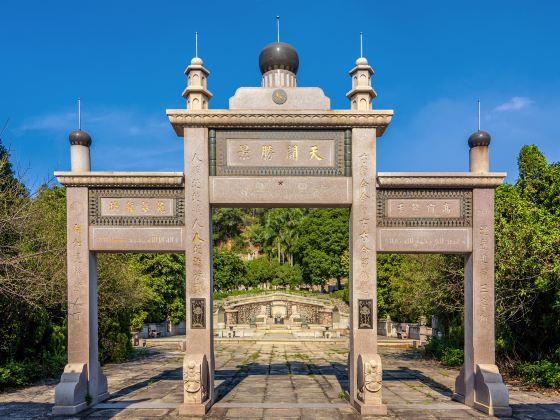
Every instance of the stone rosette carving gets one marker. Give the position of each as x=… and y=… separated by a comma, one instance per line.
x=370, y=378
x=195, y=379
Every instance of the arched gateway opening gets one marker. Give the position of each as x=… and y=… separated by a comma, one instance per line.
x=279, y=145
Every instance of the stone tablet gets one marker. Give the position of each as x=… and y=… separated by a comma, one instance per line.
x=424, y=240
x=277, y=152
x=137, y=239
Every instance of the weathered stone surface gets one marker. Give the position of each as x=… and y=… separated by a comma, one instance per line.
x=137, y=239
x=120, y=179
x=440, y=179
x=249, y=379
x=298, y=98
x=198, y=261
x=221, y=118
x=480, y=384
x=363, y=259
x=424, y=240
x=83, y=371
x=281, y=191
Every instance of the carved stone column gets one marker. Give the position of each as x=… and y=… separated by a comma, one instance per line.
x=364, y=364
x=82, y=382
x=198, y=365
x=480, y=384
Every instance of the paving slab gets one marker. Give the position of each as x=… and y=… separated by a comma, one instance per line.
x=280, y=380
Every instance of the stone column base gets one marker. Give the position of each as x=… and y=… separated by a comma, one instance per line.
x=369, y=409
x=72, y=393
x=193, y=409
x=491, y=394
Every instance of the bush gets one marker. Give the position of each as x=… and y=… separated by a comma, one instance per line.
x=444, y=350
x=541, y=373
x=13, y=374
x=342, y=294
x=18, y=373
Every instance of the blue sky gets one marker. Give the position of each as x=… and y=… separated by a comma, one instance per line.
x=125, y=59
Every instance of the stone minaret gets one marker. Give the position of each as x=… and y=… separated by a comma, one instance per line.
x=362, y=92
x=196, y=92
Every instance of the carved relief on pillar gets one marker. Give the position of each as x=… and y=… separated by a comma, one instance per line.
x=369, y=378
x=195, y=378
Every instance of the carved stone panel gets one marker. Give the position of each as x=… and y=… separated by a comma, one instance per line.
x=198, y=313
x=365, y=314
x=137, y=207
x=424, y=208
x=278, y=152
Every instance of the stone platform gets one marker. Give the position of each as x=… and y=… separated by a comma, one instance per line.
x=270, y=380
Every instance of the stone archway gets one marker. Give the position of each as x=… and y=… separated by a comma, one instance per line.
x=281, y=146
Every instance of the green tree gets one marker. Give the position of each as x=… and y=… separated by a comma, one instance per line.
x=227, y=223
x=164, y=277
x=261, y=272
x=229, y=270
x=323, y=238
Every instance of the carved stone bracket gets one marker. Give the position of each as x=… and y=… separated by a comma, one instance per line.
x=491, y=394
x=369, y=379
x=195, y=378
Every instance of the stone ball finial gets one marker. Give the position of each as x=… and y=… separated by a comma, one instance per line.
x=479, y=138
x=278, y=55
x=80, y=138
x=361, y=61
x=197, y=61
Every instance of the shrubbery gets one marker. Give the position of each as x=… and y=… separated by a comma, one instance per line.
x=445, y=350
x=541, y=373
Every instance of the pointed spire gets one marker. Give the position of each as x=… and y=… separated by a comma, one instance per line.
x=362, y=93
x=196, y=92
x=278, y=28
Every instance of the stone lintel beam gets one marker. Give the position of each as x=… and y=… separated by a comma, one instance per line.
x=223, y=118
x=280, y=191
x=440, y=179
x=120, y=179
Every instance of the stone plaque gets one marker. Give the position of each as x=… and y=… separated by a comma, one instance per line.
x=278, y=152
x=198, y=313
x=136, y=238
x=137, y=207
x=261, y=191
x=281, y=153
x=365, y=314
x=424, y=240
x=410, y=208
x=131, y=206
x=424, y=208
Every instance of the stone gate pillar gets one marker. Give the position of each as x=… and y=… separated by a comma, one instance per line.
x=198, y=365
x=364, y=370
x=480, y=384
x=82, y=382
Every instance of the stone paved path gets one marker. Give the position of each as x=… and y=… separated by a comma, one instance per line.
x=299, y=380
